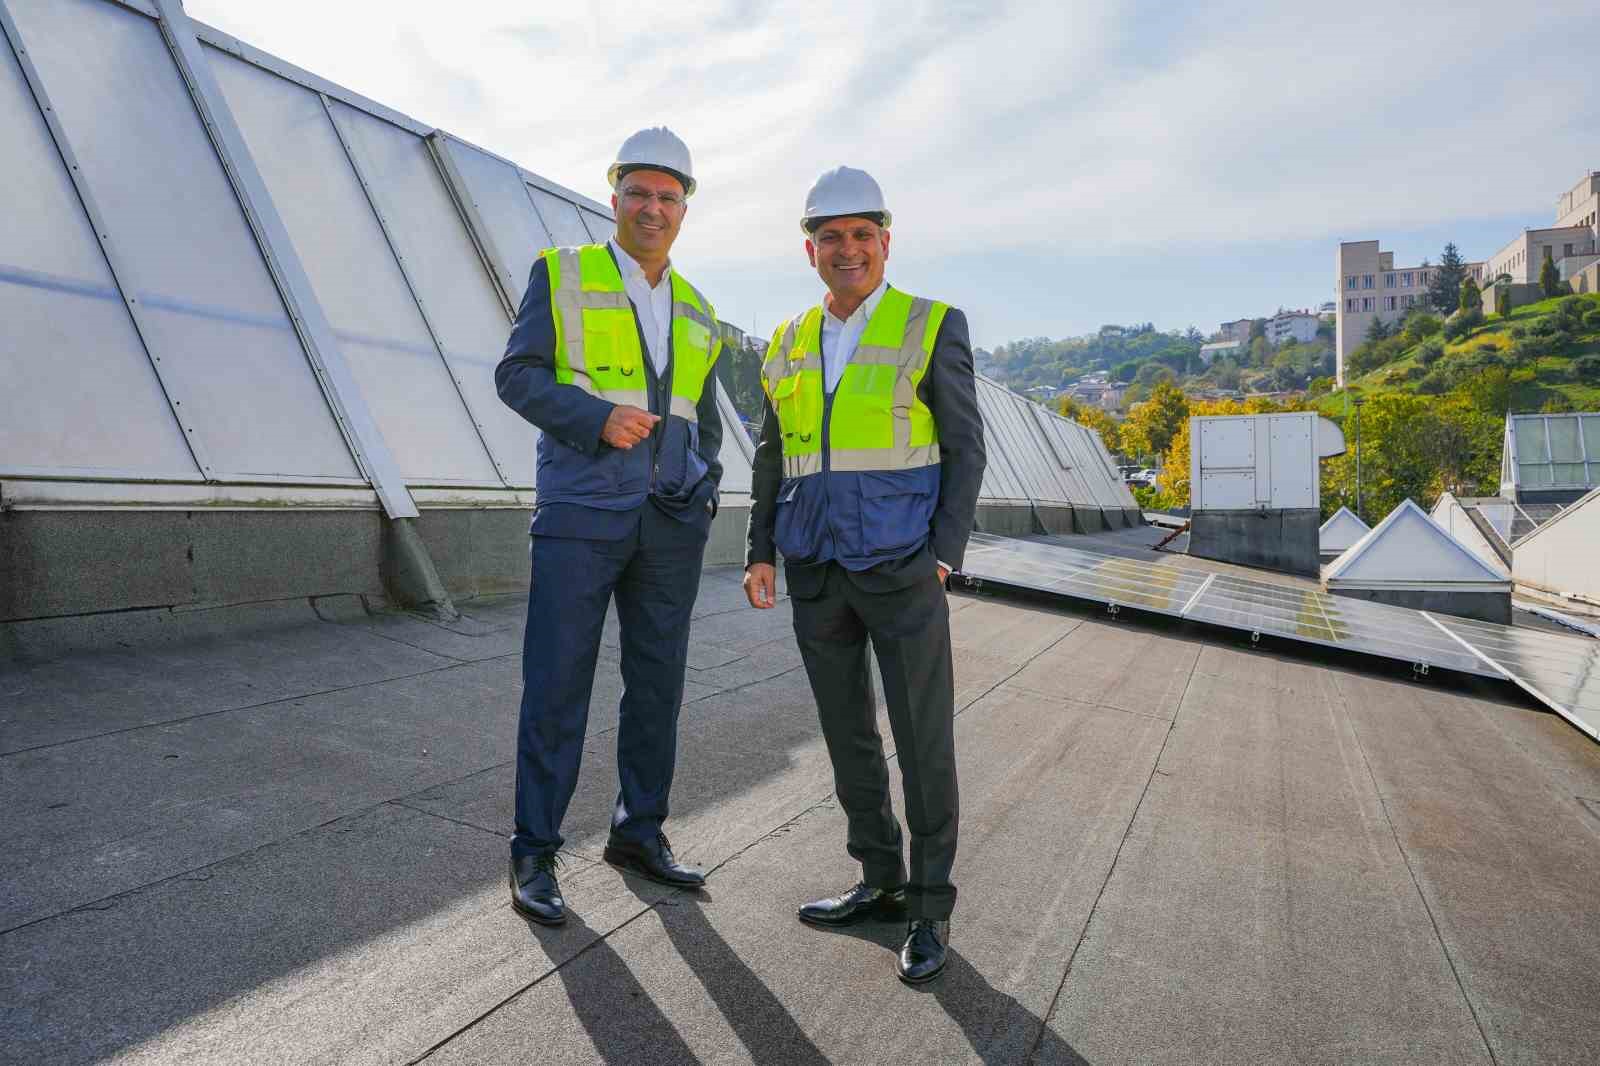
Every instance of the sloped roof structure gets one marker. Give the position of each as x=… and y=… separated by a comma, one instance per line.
x=1037, y=458
x=1408, y=550
x=1550, y=456
x=231, y=281
x=1341, y=530
x=1562, y=556
x=1466, y=521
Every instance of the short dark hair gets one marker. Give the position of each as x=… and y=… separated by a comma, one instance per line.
x=812, y=224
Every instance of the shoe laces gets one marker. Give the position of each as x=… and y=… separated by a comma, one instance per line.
x=661, y=838
x=548, y=862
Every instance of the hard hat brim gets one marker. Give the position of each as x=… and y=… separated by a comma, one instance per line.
x=619, y=171
x=882, y=218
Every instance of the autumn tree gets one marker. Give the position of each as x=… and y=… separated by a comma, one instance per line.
x=1151, y=425
x=1094, y=418
x=1173, y=481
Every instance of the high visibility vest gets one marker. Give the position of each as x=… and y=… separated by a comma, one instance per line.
x=877, y=420
x=597, y=336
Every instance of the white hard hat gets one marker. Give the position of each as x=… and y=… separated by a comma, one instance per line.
x=656, y=148
x=844, y=192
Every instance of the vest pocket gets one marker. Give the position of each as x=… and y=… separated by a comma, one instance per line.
x=798, y=524
x=611, y=348
x=894, y=513
x=681, y=466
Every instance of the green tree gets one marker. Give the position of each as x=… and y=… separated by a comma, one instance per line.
x=739, y=370
x=1444, y=291
x=1151, y=425
x=1550, y=277
x=1378, y=330
x=1126, y=371
x=1415, y=447
x=1488, y=390
x=1471, y=297
x=1502, y=300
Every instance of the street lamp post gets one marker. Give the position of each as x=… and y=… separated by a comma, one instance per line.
x=1358, y=402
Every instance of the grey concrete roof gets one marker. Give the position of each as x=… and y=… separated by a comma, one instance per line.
x=276, y=834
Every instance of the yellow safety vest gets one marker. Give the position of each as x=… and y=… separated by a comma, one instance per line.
x=878, y=422
x=597, y=336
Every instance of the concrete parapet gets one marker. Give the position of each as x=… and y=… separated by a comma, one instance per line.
x=1057, y=518
x=73, y=562
x=1088, y=519
x=1486, y=606
x=1007, y=519
x=1275, y=539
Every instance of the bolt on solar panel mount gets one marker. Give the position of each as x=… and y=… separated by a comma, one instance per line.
x=1420, y=669
x=1113, y=607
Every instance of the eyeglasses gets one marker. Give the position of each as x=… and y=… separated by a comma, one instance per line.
x=637, y=197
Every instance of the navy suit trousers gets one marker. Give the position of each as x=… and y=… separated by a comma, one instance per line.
x=653, y=573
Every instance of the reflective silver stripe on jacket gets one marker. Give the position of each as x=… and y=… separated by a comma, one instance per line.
x=801, y=465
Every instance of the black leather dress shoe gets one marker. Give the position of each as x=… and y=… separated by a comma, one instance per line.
x=653, y=860
x=922, y=956
x=534, y=892
x=858, y=904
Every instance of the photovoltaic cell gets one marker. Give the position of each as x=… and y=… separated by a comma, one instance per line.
x=1561, y=671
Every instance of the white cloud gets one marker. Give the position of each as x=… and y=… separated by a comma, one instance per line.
x=1038, y=129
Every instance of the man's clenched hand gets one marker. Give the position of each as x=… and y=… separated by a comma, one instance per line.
x=626, y=426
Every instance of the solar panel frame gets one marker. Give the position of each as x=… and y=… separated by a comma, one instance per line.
x=1561, y=671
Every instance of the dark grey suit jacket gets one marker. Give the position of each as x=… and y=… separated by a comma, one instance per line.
x=949, y=392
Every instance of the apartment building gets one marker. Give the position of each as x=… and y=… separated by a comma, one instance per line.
x=1237, y=330
x=1372, y=287
x=1524, y=257
x=1286, y=326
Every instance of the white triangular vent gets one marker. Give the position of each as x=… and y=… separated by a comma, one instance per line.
x=1410, y=550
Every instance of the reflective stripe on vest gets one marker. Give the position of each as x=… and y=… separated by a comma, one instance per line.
x=597, y=334
x=878, y=421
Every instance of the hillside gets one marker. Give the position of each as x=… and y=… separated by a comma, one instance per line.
x=1140, y=355
x=1545, y=356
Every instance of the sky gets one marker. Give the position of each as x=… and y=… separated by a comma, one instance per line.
x=1051, y=167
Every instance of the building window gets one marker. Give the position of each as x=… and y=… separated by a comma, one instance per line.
x=1366, y=303
x=1405, y=279
x=1366, y=281
x=1388, y=303
x=1409, y=301
x=1566, y=249
x=1350, y=282
x=1388, y=281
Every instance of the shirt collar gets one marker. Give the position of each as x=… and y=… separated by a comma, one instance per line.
x=866, y=308
x=630, y=266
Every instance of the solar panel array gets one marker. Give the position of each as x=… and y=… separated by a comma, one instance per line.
x=1561, y=671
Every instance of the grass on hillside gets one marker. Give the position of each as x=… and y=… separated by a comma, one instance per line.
x=1532, y=385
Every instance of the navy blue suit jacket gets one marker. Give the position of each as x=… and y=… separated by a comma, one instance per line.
x=526, y=381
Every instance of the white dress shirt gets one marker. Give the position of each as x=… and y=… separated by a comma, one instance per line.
x=841, y=336
x=653, y=305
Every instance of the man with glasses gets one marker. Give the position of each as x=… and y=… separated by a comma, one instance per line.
x=612, y=357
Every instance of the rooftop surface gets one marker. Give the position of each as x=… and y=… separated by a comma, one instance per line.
x=277, y=834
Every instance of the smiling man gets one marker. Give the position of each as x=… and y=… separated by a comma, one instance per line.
x=866, y=479
x=611, y=356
